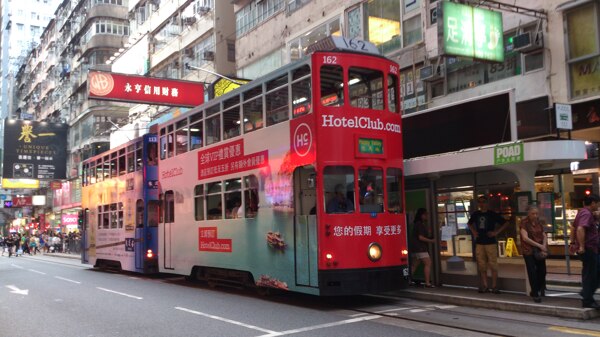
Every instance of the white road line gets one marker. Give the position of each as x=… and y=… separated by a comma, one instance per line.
x=358, y=315
x=37, y=271
x=17, y=266
x=66, y=279
x=270, y=332
x=322, y=326
x=560, y=294
x=421, y=310
x=119, y=293
x=391, y=310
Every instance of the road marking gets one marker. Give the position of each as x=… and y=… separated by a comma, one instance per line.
x=560, y=294
x=391, y=310
x=574, y=331
x=37, y=271
x=421, y=310
x=119, y=293
x=16, y=290
x=321, y=326
x=66, y=279
x=270, y=332
x=358, y=315
x=17, y=266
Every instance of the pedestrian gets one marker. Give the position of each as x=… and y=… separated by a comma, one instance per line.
x=534, y=246
x=9, y=242
x=420, y=239
x=587, y=249
x=483, y=224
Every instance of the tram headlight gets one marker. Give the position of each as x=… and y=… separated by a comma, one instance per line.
x=374, y=251
x=149, y=253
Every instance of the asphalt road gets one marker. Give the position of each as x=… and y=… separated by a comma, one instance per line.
x=58, y=297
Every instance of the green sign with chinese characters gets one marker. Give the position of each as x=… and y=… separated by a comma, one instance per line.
x=508, y=154
x=370, y=146
x=471, y=32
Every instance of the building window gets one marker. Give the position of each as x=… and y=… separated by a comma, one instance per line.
x=412, y=30
x=254, y=13
x=381, y=20
x=297, y=47
x=583, y=51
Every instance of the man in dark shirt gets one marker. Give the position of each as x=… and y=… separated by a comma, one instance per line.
x=587, y=239
x=483, y=223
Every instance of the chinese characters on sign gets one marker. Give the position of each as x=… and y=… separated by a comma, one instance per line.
x=208, y=241
x=367, y=230
x=508, y=154
x=471, y=32
x=34, y=150
x=129, y=88
x=229, y=158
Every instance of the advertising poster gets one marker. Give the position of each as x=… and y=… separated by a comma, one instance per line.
x=34, y=150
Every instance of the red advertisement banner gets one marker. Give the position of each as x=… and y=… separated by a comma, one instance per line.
x=21, y=201
x=229, y=158
x=141, y=89
x=208, y=241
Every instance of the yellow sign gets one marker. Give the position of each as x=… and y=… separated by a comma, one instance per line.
x=511, y=248
x=20, y=183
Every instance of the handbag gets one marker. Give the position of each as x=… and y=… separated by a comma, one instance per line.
x=538, y=254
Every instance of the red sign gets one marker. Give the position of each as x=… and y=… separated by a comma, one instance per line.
x=141, y=89
x=229, y=158
x=55, y=185
x=302, y=142
x=209, y=242
x=21, y=201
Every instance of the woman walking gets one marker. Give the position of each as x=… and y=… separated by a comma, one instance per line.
x=420, y=239
x=535, y=250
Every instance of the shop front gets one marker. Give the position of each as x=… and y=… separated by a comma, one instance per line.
x=531, y=173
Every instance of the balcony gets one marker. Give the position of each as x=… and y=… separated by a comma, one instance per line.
x=105, y=41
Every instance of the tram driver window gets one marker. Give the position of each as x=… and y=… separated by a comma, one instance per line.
x=332, y=86
x=370, y=192
x=338, y=189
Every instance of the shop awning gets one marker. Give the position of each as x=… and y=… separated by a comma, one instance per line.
x=544, y=154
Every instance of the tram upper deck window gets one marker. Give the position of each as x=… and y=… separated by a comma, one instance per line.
x=393, y=180
x=196, y=131
x=130, y=158
x=332, y=86
x=213, y=129
x=301, y=91
x=138, y=156
x=122, y=164
x=231, y=122
x=370, y=193
x=365, y=88
x=393, y=101
x=277, y=105
x=181, y=137
x=338, y=182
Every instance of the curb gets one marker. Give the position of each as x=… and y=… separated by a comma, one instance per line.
x=538, y=309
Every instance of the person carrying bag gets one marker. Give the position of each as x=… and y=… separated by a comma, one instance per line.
x=534, y=244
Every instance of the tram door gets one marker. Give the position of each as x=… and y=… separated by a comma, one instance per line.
x=139, y=234
x=85, y=241
x=169, y=218
x=305, y=226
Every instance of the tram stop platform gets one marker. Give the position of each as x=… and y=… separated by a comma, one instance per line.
x=562, y=299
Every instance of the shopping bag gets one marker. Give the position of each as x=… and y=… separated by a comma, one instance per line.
x=20, y=252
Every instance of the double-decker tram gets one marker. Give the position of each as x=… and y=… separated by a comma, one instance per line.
x=121, y=207
x=293, y=181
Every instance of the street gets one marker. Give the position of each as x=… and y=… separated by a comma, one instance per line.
x=47, y=296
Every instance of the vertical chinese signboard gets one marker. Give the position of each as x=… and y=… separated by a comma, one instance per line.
x=34, y=150
x=471, y=32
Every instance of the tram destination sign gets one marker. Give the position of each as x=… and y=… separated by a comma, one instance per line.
x=370, y=146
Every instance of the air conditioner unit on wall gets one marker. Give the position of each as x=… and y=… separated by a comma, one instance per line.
x=202, y=10
x=432, y=72
x=208, y=55
x=528, y=42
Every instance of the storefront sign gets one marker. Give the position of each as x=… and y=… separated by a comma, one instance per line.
x=471, y=32
x=142, y=89
x=34, y=150
x=564, y=118
x=508, y=154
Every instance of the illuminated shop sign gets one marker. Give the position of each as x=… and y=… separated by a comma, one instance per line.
x=141, y=89
x=471, y=32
